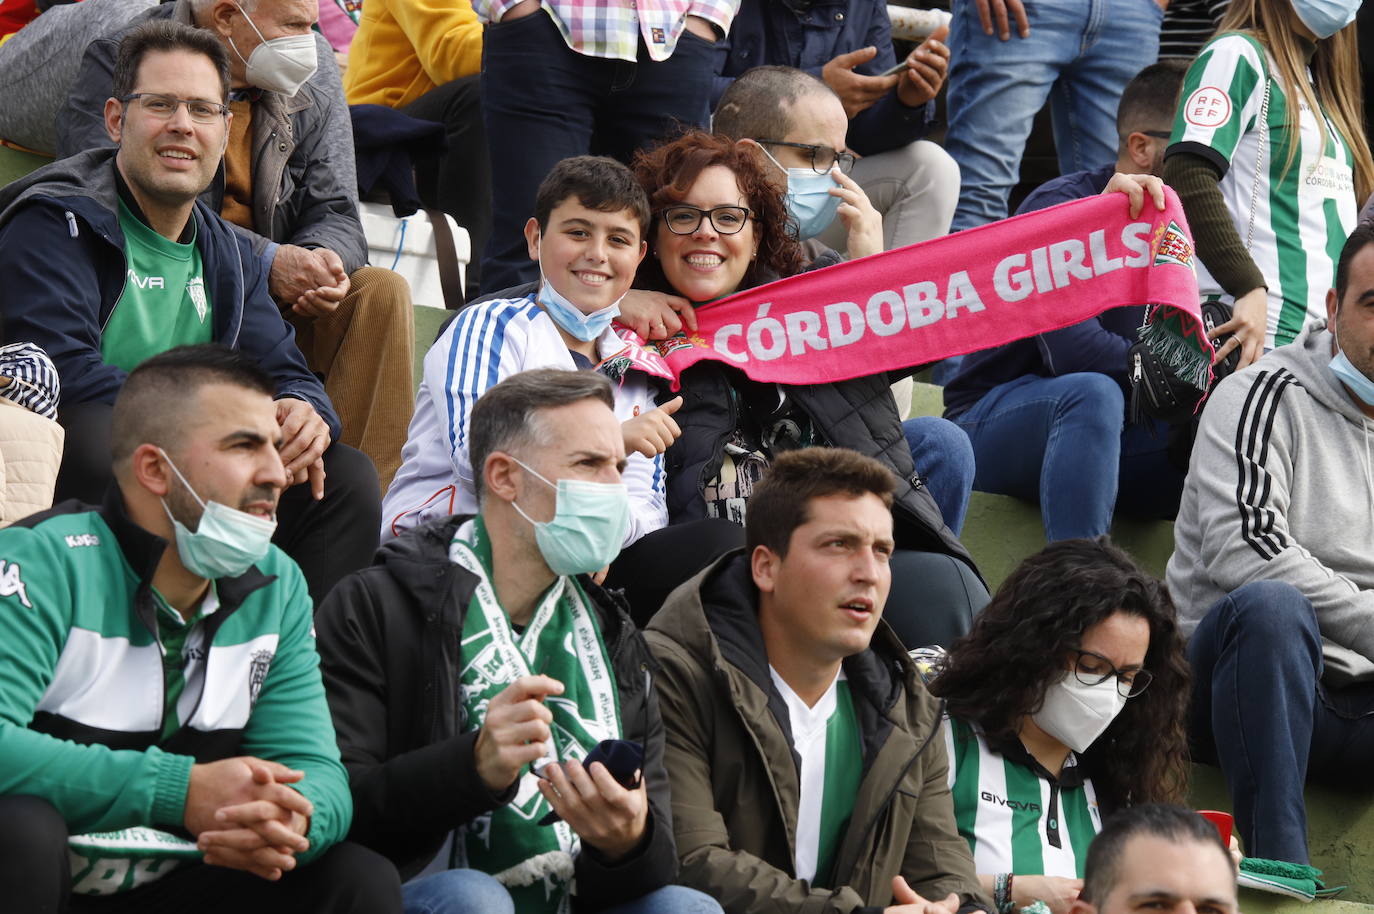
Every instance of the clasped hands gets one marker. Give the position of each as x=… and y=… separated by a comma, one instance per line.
x=310, y=281
x=245, y=816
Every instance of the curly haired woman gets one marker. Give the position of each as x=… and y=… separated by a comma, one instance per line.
x=1067, y=699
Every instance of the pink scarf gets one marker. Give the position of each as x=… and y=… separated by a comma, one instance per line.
x=961, y=293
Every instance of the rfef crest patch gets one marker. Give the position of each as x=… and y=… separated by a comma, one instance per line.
x=1207, y=107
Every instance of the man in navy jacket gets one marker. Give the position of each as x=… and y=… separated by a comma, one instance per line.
x=77, y=241
x=1047, y=414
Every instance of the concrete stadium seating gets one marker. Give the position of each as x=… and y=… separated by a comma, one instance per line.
x=1001, y=531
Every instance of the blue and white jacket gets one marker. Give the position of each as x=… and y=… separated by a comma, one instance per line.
x=486, y=343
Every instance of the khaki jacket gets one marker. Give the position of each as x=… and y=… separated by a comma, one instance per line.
x=734, y=777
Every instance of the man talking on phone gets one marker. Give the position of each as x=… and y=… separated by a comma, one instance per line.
x=495, y=708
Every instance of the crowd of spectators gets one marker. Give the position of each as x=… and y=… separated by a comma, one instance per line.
x=559, y=629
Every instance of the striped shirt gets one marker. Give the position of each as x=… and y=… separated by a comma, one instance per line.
x=29, y=378
x=1188, y=24
x=613, y=28
x=1303, y=211
x=1015, y=816
x=825, y=738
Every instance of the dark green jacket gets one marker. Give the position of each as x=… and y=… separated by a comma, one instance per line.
x=734, y=775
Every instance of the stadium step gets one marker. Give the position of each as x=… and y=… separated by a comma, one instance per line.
x=1000, y=531
x=1340, y=838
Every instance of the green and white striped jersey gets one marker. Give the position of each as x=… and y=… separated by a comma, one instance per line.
x=1015, y=817
x=826, y=738
x=1303, y=212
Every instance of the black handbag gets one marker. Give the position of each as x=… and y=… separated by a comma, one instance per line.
x=1158, y=392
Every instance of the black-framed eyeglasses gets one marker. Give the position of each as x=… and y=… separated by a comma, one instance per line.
x=164, y=107
x=683, y=219
x=1093, y=669
x=1157, y=134
x=823, y=158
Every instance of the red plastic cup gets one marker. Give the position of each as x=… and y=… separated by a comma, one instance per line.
x=1223, y=822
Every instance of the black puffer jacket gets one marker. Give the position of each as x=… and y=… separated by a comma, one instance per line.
x=859, y=414
x=389, y=649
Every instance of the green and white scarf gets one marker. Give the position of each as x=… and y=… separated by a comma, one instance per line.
x=107, y=862
x=563, y=641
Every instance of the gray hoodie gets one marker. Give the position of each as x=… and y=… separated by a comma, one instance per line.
x=1280, y=488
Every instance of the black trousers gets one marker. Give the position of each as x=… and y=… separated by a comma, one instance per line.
x=327, y=538
x=35, y=878
x=459, y=183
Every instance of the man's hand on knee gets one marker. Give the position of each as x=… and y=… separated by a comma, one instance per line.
x=305, y=437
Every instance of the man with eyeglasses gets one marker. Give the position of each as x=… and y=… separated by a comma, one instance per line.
x=798, y=123
x=110, y=258
x=882, y=114
x=288, y=184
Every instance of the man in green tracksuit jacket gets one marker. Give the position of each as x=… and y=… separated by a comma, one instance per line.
x=161, y=706
x=807, y=768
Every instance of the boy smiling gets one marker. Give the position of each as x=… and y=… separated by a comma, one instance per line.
x=587, y=235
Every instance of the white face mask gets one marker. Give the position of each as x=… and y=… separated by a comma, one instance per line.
x=1077, y=714
x=281, y=64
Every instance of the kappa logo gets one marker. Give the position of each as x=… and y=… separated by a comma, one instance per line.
x=11, y=583
x=147, y=282
x=1207, y=107
x=988, y=797
x=78, y=540
x=257, y=674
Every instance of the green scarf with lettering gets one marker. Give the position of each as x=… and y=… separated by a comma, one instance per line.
x=562, y=640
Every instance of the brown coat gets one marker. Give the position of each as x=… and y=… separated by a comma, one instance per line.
x=734, y=776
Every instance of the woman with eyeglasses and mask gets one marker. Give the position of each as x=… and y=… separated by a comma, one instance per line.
x=719, y=225
x=1065, y=701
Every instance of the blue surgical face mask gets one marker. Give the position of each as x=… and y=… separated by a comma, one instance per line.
x=1326, y=17
x=590, y=520
x=809, y=200
x=226, y=542
x=1351, y=376
x=585, y=327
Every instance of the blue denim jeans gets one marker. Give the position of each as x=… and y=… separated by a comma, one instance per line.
x=474, y=892
x=1080, y=54
x=543, y=102
x=944, y=459
x=1261, y=711
x=1063, y=442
